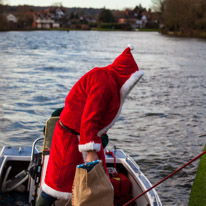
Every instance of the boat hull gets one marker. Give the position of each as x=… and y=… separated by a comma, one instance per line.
x=14, y=160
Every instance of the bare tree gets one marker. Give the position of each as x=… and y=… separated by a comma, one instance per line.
x=178, y=15
x=200, y=13
x=158, y=5
x=57, y=4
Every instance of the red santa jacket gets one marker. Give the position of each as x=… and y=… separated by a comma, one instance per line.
x=91, y=108
x=94, y=103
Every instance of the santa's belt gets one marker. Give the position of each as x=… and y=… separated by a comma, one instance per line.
x=68, y=129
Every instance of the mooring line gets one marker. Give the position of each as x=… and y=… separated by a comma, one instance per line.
x=164, y=179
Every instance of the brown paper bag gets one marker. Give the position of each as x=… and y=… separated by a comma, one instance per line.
x=92, y=188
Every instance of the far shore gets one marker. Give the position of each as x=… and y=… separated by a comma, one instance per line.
x=69, y=29
x=193, y=34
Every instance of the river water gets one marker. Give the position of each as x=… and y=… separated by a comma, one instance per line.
x=162, y=124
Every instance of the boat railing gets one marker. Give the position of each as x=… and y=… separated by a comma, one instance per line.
x=34, y=149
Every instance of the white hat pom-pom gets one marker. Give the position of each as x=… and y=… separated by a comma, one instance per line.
x=131, y=46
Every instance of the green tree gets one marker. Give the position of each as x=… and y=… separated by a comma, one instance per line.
x=74, y=16
x=140, y=8
x=106, y=16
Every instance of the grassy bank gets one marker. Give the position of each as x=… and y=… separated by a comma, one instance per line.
x=198, y=192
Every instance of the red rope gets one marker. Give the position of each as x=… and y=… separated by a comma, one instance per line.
x=111, y=153
x=164, y=179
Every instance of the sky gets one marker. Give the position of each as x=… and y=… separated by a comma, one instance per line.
x=109, y=4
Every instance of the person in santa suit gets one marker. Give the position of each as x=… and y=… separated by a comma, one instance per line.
x=91, y=109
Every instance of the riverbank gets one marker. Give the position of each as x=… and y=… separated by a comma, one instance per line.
x=198, y=192
x=92, y=29
x=192, y=34
x=200, y=35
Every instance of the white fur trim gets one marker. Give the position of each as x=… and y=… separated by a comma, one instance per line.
x=124, y=91
x=55, y=193
x=90, y=146
x=130, y=83
x=84, y=154
x=131, y=46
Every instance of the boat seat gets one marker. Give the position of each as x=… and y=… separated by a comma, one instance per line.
x=49, y=130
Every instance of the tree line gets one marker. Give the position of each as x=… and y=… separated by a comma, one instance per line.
x=184, y=16
x=73, y=18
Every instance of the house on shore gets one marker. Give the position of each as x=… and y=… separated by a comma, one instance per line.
x=12, y=21
x=48, y=19
x=139, y=19
x=11, y=18
x=45, y=22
